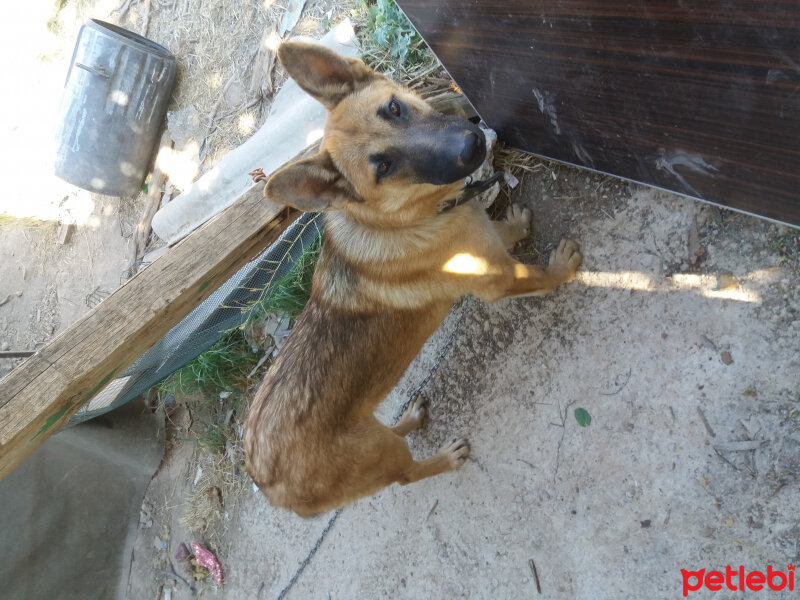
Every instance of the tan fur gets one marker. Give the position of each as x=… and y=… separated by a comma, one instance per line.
x=391, y=266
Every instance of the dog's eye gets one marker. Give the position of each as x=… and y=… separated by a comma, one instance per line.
x=394, y=107
x=383, y=168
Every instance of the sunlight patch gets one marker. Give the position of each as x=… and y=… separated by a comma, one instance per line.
x=466, y=264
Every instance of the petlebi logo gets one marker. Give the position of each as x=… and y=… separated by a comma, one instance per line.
x=737, y=579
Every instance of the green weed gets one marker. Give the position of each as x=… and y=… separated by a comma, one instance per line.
x=218, y=369
x=290, y=293
x=218, y=378
x=391, y=43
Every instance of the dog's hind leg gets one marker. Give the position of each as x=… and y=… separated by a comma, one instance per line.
x=448, y=458
x=384, y=457
x=412, y=417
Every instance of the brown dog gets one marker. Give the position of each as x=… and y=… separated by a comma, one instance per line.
x=397, y=252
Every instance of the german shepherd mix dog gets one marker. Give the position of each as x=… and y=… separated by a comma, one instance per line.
x=400, y=246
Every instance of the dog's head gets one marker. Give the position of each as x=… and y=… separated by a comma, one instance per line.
x=385, y=153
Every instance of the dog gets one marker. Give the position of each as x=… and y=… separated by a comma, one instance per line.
x=400, y=246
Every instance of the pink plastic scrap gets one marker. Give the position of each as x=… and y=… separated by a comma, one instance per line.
x=205, y=558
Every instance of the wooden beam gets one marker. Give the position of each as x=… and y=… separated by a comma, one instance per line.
x=42, y=393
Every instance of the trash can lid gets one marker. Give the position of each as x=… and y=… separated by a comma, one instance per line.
x=129, y=37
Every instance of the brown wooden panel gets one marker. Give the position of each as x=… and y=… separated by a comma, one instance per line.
x=699, y=97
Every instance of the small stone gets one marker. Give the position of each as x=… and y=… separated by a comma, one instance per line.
x=645, y=524
x=753, y=524
x=726, y=358
x=145, y=517
x=183, y=552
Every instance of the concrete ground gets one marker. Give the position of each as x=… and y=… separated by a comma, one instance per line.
x=684, y=353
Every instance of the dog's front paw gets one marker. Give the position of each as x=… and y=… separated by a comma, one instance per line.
x=417, y=410
x=456, y=453
x=519, y=217
x=412, y=417
x=566, y=258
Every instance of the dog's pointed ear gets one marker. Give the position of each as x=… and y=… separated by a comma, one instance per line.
x=324, y=74
x=313, y=184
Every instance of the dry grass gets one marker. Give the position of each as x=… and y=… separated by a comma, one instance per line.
x=216, y=493
x=215, y=43
x=519, y=165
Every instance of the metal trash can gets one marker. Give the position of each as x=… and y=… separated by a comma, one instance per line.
x=115, y=97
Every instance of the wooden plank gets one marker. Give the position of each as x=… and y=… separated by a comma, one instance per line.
x=700, y=98
x=46, y=390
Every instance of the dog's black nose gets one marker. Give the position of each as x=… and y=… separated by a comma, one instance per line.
x=445, y=149
x=474, y=149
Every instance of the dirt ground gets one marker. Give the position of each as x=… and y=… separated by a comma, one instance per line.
x=683, y=348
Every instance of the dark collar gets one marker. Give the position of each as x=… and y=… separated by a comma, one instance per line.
x=470, y=190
